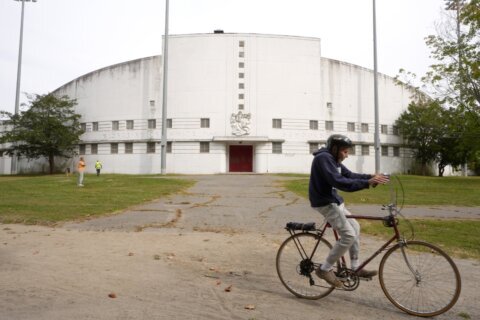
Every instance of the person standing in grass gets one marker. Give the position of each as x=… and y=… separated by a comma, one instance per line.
x=81, y=168
x=98, y=167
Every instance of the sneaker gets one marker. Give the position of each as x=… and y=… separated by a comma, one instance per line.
x=329, y=277
x=366, y=273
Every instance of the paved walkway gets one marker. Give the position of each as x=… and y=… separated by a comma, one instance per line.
x=244, y=202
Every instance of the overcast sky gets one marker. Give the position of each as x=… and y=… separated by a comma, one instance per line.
x=65, y=39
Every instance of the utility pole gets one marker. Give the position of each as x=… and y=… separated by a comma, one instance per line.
x=19, y=75
x=375, y=85
x=164, y=95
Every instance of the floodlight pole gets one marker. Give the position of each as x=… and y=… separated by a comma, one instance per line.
x=13, y=168
x=164, y=95
x=375, y=85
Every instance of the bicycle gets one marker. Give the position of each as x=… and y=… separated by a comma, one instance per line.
x=417, y=277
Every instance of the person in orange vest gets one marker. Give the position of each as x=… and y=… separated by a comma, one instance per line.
x=81, y=168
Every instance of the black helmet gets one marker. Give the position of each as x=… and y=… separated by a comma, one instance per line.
x=338, y=140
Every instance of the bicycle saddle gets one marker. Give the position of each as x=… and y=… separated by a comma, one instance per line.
x=309, y=226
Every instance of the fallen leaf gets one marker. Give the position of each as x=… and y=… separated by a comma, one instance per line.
x=250, y=307
x=219, y=282
x=156, y=257
x=130, y=254
x=112, y=295
x=229, y=288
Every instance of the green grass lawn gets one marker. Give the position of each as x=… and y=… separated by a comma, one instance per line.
x=448, y=191
x=460, y=238
x=50, y=199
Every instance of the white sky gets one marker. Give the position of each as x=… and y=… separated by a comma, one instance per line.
x=64, y=39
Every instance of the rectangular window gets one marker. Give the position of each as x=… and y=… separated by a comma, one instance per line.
x=241, y=107
x=277, y=123
x=241, y=86
x=129, y=124
x=351, y=126
x=395, y=130
x=352, y=151
x=152, y=123
x=169, y=123
x=384, y=129
x=329, y=125
x=313, y=147
x=276, y=147
x=115, y=125
x=128, y=147
x=241, y=96
x=241, y=43
x=241, y=64
x=81, y=149
x=94, y=148
x=150, y=147
x=241, y=54
x=364, y=127
x=204, y=147
x=94, y=126
x=365, y=150
x=241, y=75
x=396, y=151
x=385, y=151
x=113, y=148
x=205, y=123
x=313, y=125
x=169, y=147
x=329, y=105
x=152, y=103
x=83, y=126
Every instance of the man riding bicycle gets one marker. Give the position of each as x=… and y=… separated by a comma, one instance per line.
x=327, y=175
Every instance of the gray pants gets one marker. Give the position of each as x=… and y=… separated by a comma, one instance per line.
x=348, y=230
x=80, y=178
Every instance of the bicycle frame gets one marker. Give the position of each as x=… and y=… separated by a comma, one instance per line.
x=390, y=219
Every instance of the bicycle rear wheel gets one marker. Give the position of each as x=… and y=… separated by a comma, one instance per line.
x=296, y=266
x=419, y=278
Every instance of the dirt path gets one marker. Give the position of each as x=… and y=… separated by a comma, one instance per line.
x=207, y=254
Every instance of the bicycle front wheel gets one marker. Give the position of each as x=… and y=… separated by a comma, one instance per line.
x=419, y=278
x=297, y=260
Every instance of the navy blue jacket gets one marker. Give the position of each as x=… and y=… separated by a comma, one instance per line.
x=327, y=176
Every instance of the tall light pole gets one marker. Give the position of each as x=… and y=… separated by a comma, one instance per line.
x=19, y=75
x=164, y=95
x=375, y=90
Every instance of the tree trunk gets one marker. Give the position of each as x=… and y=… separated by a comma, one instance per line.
x=51, y=162
x=441, y=170
x=424, y=169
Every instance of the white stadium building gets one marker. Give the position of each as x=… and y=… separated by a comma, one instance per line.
x=235, y=103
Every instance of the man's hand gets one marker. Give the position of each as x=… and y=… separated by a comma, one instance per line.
x=378, y=179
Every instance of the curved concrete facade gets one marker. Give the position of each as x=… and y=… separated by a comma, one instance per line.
x=236, y=103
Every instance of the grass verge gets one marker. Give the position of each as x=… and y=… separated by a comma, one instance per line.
x=47, y=200
x=459, y=238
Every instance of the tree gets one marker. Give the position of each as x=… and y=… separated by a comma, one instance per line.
x=421, y=126
x=454, y=81
x=451, y=146
x=456, y=75
x=49, y=128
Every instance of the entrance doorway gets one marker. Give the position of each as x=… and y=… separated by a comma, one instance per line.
x=241, y=159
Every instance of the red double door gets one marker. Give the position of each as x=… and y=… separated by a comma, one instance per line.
x=241, y=158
